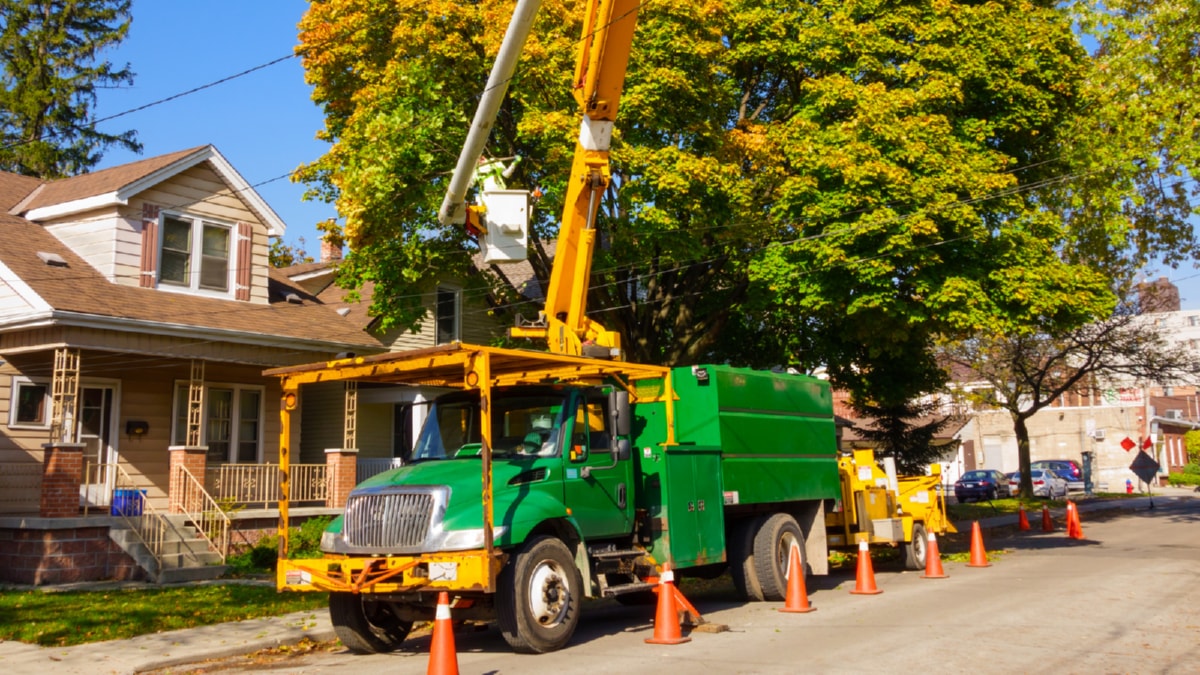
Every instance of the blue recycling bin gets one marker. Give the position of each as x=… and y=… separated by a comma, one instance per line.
x=128, y=502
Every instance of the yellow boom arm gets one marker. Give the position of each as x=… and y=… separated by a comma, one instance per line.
x=599, y=78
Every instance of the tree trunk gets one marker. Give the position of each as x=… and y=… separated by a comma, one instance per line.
x=1022, y=431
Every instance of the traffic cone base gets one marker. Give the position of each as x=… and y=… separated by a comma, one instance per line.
x=1023, y=520
x=666, y=620
x=978, y=553
x=864, y=579
x=443, y=659
x=797, y=594
x=933, y=560
x=1047, y=523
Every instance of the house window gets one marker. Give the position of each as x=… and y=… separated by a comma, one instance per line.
x=31, y=404
x=1194, y=320
x=447, y=319
x=231, y=424
x=195, y=253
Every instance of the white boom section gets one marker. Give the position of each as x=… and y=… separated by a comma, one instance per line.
x=453, y=210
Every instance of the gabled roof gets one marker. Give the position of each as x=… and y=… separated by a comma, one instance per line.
x=75, y=293
x=116, y=185
x=14, y=188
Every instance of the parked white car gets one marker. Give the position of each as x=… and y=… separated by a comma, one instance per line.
x=1046, y=483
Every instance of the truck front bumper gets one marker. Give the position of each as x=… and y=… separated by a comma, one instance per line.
x=456, y=571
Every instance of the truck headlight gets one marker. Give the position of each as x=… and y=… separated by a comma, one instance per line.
x=462, y=540
x=330, y=541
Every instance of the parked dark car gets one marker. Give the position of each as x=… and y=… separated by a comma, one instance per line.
x=981, y=484
x=1046, y=483
x=1067, y=468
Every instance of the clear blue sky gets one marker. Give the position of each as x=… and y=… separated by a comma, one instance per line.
x=264, y=123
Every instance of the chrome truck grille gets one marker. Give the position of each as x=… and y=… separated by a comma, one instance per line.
x=392, y=519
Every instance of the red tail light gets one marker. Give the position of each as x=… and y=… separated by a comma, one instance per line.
x=1039, y=482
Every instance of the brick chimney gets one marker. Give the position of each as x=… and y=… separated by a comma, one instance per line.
x=330, y=252
x=1158, y=296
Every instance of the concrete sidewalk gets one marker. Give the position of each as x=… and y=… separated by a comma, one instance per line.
x=194, y=645
x=163, y=650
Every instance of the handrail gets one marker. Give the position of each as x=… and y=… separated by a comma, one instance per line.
x=259, y=484
x=200, y=508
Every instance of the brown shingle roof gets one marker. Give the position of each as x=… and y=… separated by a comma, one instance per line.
x=14, y=188
x=104, y=181
x=80, y=288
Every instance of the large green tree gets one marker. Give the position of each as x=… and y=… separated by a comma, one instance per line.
x=1135, y=148
x=816, y=183
x=50, y=71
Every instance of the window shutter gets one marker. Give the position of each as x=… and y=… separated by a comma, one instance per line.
x=149, y=276
x=245, y=250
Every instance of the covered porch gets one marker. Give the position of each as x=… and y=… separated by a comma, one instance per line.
x=184, y=451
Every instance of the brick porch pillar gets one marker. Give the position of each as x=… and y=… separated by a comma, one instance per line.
x=341, y=467
x=195, y=459
x=62, y=473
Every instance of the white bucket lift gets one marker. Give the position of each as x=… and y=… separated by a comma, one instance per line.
x=507, y=221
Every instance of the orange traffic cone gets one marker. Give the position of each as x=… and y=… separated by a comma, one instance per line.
x=1022, y=519
x=1074, y=528
x=1047, y=523
x=797, y=595
x=864, y=582
x=933, y=560
x=978, y=554
x=666, y=621
x=443, y=660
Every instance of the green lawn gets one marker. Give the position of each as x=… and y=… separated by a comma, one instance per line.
x=63, y=618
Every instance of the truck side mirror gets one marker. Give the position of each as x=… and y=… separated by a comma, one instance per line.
x=621, y=449
x=618, y=407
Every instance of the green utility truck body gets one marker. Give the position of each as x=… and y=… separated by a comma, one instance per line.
x=541, y=479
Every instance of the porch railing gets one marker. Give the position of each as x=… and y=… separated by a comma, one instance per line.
x=202, y=509
x=372, y=466
x=258, y=484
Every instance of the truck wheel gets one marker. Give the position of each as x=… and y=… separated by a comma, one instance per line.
x=740, y=542
x=538, y=597
x=772, y=543
x=366, y=627
x=914, y=551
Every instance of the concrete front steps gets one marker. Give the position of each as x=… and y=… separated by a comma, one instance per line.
x=185, y=555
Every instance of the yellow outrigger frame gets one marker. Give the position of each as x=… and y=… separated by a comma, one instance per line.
x=454, y=366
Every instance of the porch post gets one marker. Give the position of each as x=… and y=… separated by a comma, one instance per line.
x=341, y=468
x=62, y=473
x=195, y=459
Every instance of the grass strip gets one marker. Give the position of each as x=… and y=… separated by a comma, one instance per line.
x=64, y=618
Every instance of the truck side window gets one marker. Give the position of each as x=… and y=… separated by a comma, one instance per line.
x=588, y=434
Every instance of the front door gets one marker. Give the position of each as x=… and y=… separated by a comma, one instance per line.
x=95, y=413
x=597, y=491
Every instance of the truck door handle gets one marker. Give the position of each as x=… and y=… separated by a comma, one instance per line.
x=621, y=496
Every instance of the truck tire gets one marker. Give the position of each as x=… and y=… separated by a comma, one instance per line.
x=366, y=627
x=740, y=542
x=772, y=543
x=914, y=551
x=538, y=597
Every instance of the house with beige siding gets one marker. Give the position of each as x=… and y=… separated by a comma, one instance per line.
x=137, y=314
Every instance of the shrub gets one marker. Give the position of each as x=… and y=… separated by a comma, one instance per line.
x=1180, y=479
x=303, y=542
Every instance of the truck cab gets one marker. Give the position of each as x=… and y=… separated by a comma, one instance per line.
x=555, y=457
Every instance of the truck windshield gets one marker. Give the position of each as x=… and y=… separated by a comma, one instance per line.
x=522, y=425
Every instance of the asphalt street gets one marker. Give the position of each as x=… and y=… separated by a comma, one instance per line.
x=1125, y=599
